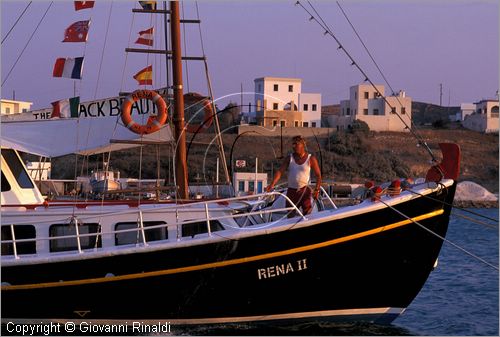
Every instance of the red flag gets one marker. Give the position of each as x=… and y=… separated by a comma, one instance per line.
x=77, y=32
x=145, y=76
x=83, y=5
x=146, y=37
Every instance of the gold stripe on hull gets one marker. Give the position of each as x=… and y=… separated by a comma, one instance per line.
x=224, y=263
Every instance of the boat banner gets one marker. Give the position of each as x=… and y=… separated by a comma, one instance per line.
x=36, y=132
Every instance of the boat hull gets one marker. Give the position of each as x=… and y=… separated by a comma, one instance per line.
x=365, y=267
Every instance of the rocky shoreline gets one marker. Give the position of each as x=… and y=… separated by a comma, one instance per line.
x=476, y=203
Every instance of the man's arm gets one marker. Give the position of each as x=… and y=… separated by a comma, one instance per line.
x=317, y=173
x=281, y=171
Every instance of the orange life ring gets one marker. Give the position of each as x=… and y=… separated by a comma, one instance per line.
x=154, y=123
x=195, y=99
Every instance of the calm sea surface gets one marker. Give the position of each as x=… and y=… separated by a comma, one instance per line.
x=459, y=298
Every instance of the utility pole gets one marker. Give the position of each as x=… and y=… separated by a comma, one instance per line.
x=440, y=94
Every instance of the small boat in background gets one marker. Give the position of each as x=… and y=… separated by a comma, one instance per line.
x=103, y=181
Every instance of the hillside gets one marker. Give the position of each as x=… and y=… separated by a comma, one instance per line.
x=427, y=113
x=345, y=157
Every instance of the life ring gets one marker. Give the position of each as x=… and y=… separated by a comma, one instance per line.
x=154, y=123
x=195, y=99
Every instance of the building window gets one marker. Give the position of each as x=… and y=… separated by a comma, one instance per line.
x=355, y=95
x=251, y=186
x=365, y=111
x=259, y=88
x=375, y=112
x=275, y=87
x=15, y=165
x=241, y=185
x=275, y=106
x=375, y=94
x=290, y=88
x=296, y=124
x=71, y=243
x=348, y=111
x=313, y=124
x=25, y=110
x=314, y=107
x=283, y=123
x=366, y=94
x=7, y=110
x=275, y=122
x=305, y=124
x=135, y=236
x=21, y=232
x=306, y=107
x=403, y=110
x=393, y=110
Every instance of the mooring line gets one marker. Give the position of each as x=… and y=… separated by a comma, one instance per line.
x=442, y=238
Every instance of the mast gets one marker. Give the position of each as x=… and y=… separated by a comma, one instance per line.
x=178, y=119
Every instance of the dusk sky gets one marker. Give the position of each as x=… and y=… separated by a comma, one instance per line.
x=418, y=45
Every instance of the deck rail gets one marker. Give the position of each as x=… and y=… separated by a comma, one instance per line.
x=257, y=208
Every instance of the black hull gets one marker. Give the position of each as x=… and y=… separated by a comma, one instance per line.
x=347, y=269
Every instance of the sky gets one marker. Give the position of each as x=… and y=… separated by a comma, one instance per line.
x=417, y=44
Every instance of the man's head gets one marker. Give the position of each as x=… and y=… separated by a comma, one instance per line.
x=299, y=144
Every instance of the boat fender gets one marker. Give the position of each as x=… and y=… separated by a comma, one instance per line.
x=376, y=193
x=154, y=123
x=194, y=99
x=394, y=188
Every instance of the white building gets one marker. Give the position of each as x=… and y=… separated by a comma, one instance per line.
x=281, y=102
x=484, y=118
x=10, y=107
x=466, y=109
x=249, y=182
x=365, y=104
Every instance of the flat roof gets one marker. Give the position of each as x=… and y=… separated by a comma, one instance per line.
x=12, y=101
x=267, y=78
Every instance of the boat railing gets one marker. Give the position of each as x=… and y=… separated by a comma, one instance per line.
x=256, y=209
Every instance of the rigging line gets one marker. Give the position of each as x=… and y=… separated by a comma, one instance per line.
x=209, y=84
x=328, y=31
x=372, y=58
x=417, y=136
x=475, y=220
x=185, y=46
x=27, y=43
x=126, y=53
x=84, y=53
x=15, y=23
x=103, y=49
x=366, y=48
x=457, y=207
x=440, y=237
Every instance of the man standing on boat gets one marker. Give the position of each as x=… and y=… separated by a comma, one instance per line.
x=299, y=165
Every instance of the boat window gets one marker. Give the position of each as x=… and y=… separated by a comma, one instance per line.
x=194, y=228
x=5, y=183
x=152, y=234
x=20, y=232
x=65, y=244
x=15, y=165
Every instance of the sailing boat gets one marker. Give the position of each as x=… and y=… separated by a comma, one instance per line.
x=238, y=259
